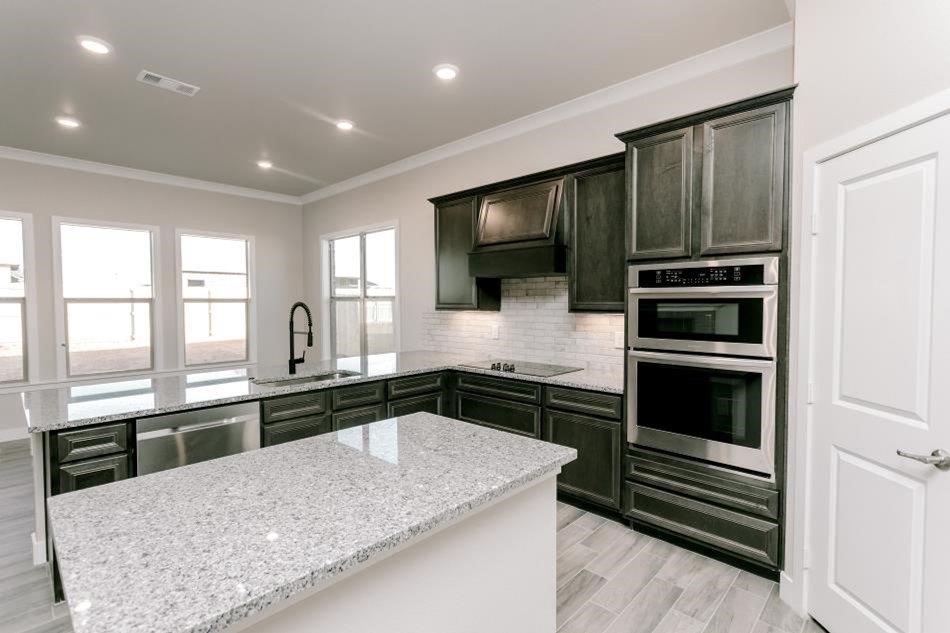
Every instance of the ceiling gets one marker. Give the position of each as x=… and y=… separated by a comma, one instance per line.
x=275, y=76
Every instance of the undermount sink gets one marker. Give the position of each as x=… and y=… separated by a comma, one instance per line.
x=285, y=382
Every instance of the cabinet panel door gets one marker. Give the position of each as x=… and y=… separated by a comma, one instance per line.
x=596, y=273
x=595, y=474
x=518, y=215
x=660, y=195
x=415, y=385
x=363, y=394
x=280, y=432
x=91, y=442
x=94, y=472
x=290, y=407
x=358, y=417
x=744, y=181
x=429, y=403
x=524, y=419
x=454, y=238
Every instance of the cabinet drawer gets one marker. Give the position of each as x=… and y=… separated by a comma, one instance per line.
x=430, y=403
x=415, y=385
x=516, y=417
x=357, y=395
x=751, y=538
x=290, y=430
x=93, y=472
x=589, y=402
x=510, y=389
x=702, y=483
x=595, y=474
x=358, y=417
x=289, y=407
x=92, y=442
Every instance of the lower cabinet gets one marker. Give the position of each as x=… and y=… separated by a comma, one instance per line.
x=595, y=475
x=92, y=472
x=516, y=417
x=356, y=417
x=428, y=403
x=298, y=429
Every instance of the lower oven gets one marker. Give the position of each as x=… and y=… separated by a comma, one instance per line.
x=714, y=408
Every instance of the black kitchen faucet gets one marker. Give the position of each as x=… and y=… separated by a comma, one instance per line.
x=293, y=362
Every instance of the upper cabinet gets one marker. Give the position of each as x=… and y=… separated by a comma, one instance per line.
x=595, y=203
x=456, y=289
x=518, y=215
x=712, y=183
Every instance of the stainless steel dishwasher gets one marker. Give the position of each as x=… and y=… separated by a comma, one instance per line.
x=189, y=437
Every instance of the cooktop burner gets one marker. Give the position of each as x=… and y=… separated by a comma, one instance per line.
x=540, y=370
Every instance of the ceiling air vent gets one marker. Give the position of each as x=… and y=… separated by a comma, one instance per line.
x=154, y=79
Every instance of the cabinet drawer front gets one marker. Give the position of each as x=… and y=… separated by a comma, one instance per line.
x=515, y=417
x=93, y=472
x=358, y=417
x=595, y=474
x=415, y=385
x=357, y=395
x=92, y=442
x=701, y=483
x=748, y=537
x=290, y=430
x=590, y=402
x=289, y=407
x=430, y=403
x=502, y=388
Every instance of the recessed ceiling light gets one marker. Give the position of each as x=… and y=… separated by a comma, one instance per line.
x=68, y=121
x=265, y=164
x=446, y=72
x=94, y=44
x=344, y=125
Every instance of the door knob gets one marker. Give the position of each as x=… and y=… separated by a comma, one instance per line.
x=938, y=459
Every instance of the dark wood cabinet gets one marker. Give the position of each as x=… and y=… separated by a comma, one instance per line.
x=415, y=385
x=504, y=415
x=291, y=407
x=297, y=429
x=595, y=203
x=92, y=472
x=92, y=442
x=711, y=183
x=594, y=475
x=429, y=403
x=517, y=215
x=456, y=289
x=358, y=395
x=499, y=387
x=357, y=417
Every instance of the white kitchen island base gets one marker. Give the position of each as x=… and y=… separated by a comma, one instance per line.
x=490, y=571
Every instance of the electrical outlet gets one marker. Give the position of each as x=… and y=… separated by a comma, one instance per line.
x=618, y=340
x=494, y=332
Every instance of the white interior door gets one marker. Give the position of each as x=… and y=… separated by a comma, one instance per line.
x=879, y=527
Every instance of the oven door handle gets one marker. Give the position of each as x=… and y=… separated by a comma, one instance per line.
x=714, y=362
x=698, y=291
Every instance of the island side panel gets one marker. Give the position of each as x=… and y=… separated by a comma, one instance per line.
x=494, y=570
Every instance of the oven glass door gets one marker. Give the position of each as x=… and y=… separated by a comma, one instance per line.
x=720, y=410
x=707, y=320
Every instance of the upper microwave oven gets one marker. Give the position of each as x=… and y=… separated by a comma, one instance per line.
x=724, y=307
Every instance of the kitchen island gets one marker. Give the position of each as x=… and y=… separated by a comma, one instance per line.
x=401, y=525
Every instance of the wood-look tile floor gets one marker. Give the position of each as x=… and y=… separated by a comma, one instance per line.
x=609, y=577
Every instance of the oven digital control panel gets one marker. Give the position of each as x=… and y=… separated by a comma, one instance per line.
x=741, y=275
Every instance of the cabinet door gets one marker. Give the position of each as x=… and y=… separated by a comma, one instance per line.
x=660, y=196
x=358, y=417
x=524, y=419
x=744, y=181
x=94, y=472
x=454, y=237
x=595, y=474
x=430, y=403
x=280, y=432
x=596, y=272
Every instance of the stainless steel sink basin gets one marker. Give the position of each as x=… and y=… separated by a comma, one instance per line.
x=286, y=382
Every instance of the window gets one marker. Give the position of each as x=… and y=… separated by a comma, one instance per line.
x=363, y=293
x=12, y=302
x=216, y=299
x=108, y=296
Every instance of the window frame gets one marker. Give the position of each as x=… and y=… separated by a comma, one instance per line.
x=155, y=324
x=329, y=322
x=250, y=356
x=29, y=323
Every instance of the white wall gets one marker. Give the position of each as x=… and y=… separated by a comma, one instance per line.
x=46, y=191
x=855, y=61
x=404, y=197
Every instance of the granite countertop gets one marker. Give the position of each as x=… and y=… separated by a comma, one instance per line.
x=70, y=406
x=200, y=547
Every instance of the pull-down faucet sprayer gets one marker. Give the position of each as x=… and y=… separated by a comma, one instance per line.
x=293, y=362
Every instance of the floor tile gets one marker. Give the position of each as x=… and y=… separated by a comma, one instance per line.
x=622, y=588
x=680, y=568
x=648, y=609
x=572, y=561
x=737, y=613
x=578, y=590
x=676, y=622
x=779, y=615
x=569, y=536
x=708, y=588
x=762, y=627
x=590, y=619
x=618, y=553
x=567, y=514
x=605, y=535
x=590, y=521
x=754, y=584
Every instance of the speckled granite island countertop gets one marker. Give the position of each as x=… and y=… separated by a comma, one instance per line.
x=80, y=405
x=202, y=547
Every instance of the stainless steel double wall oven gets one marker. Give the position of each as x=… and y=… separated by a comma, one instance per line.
x=701, y=366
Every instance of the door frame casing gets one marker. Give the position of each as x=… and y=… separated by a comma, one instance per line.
x=794, y=578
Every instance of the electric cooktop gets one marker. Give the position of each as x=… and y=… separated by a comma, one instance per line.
x=540, y=370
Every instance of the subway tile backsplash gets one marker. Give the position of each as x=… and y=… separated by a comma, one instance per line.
x=533, y=325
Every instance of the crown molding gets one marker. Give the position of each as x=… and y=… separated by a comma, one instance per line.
x=65, y=162
x=758, y=45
